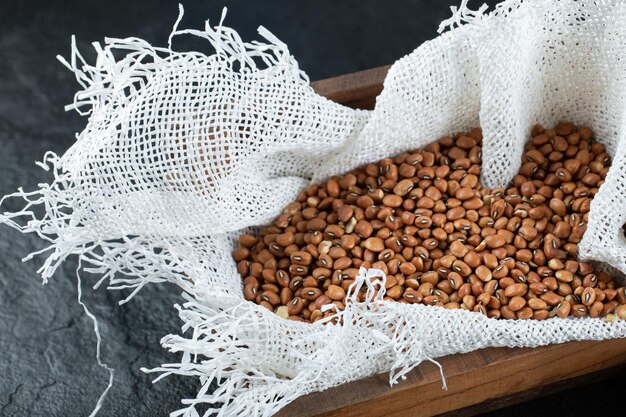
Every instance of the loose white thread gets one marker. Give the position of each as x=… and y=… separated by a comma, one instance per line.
x=98, y=343
x=462, y=14
x=272, y=134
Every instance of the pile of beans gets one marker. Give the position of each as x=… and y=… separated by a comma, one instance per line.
x=442, y=238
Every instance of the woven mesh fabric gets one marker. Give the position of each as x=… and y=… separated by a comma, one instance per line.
x=183, y=152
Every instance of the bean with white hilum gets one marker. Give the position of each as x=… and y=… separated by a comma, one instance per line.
x=441, y=238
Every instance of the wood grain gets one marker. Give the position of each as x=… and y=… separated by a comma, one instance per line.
x=479, y=377
x=477, y=381
x=357, y=90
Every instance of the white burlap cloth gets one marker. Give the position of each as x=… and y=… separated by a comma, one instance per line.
x=184, y=151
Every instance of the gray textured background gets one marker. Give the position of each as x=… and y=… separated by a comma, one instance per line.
x=47, y=345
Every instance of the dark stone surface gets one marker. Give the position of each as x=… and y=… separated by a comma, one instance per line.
x=47, y=344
